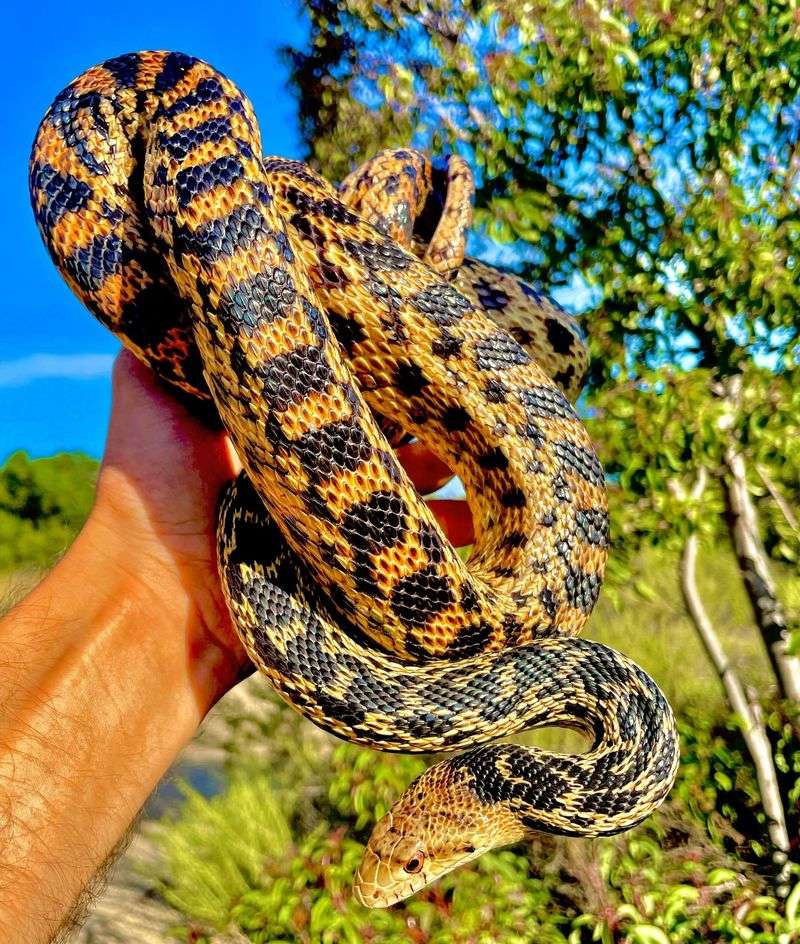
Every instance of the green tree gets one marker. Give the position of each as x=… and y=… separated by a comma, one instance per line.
x=43, y=504
x=647, y=151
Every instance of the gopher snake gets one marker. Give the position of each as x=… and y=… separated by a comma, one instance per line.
x=248, y=281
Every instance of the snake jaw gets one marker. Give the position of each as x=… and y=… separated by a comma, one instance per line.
x=383, y=877
x=436, y=826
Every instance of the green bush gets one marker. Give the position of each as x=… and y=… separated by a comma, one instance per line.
x=43, y=504
x=231, y=863
x=228, y=840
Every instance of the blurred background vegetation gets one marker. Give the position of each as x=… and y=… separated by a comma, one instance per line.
x=639, y=160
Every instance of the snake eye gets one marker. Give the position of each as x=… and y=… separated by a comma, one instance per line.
x=415, y=863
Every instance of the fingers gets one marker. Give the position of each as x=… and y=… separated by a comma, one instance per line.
x=455, y=519
x=128, y=368
x=428, y=473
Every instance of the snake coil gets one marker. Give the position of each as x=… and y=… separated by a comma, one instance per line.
x=316, y=321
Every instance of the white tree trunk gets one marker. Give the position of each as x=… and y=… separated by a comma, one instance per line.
x=769, y=614
x=780, y=501
x=753, y=732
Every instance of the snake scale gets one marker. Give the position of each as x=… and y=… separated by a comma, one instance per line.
x=322, y=324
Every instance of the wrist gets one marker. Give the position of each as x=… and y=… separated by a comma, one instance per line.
x=102, y=684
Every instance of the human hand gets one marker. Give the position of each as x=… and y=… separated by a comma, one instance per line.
x=110, y=664
x=159, y=484
x=158, y=489
x=428, y=473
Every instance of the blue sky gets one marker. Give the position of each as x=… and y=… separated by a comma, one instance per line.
x=55, y=359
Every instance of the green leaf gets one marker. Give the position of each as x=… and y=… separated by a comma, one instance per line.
x=647, y=934
x=793, y=908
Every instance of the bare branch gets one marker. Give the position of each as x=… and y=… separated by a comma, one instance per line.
x=767, y=608
x=780, y=501
x=753, y=732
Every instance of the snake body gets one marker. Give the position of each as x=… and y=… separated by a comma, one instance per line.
x=315, y=320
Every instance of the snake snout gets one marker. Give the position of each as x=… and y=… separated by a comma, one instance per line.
x=436, y=826
x=393, y=866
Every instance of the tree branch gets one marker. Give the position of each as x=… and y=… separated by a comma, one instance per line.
x=769, y=613
x=780, y=501
x=753, y=732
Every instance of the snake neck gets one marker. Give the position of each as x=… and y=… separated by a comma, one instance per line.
x=493, y=796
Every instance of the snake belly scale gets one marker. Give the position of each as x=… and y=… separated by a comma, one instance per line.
x=313, y=326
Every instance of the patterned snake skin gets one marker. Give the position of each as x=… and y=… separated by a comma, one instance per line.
x=315, y=321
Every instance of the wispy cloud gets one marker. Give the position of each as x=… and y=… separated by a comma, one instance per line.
x=24, y=370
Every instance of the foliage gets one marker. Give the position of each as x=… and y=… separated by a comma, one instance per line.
x=656, y=432
x=783, y=724
x=648, y=146
x=669, y=880
x=645, y=150
x=43, y=504
x=718, y=787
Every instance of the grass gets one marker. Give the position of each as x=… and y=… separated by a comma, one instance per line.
x=227, y=838
x=649, y=623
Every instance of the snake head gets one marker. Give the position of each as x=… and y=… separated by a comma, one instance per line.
x=438, y=824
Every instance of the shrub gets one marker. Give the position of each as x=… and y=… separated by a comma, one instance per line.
x=233, y=866
x=43, y=504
